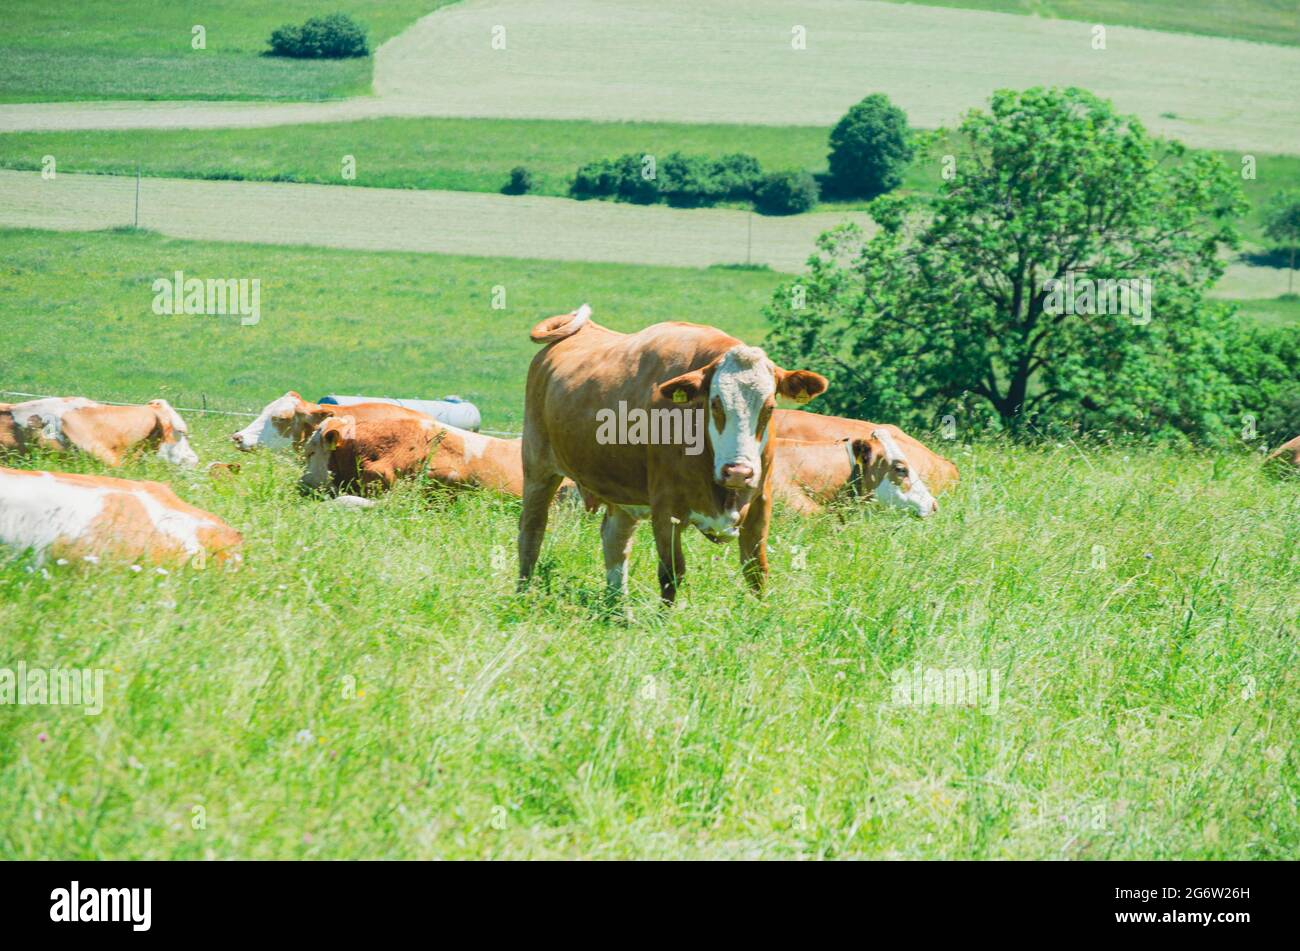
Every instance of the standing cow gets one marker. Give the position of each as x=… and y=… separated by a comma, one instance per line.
x=685, y=380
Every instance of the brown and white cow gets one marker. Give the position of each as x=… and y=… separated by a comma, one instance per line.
x=288, y=422
x=809, y=475
x=106, y=432
x=80, y=517
x=344, y=453
x=683, y=378
x=922, y=465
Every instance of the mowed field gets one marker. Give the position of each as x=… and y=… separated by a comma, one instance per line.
x=370, y=685
x=129, y=49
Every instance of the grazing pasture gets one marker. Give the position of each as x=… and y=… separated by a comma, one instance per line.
x=368, y=684
x=110, y=49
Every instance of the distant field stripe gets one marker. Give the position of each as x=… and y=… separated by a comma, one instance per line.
x=382, y=219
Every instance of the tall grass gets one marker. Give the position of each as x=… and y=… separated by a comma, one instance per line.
x=370, y=685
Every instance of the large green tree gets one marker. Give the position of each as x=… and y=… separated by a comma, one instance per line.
x=962, y=305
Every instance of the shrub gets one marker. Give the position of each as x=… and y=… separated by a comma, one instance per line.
x=336, y=36
x=1262, y=365
x=739, y=175
x=595, y=180
x=870, y=148
x=786, y=193
x=690, y=181
x=521, y=182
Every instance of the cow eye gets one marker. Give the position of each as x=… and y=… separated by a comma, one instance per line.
x=719, y=414
x=763, y=419
x=900, y=468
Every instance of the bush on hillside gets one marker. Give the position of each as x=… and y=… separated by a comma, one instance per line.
x=336, y=36
x=786, y=193
x=520, y=183
x=870, y=149
x=681, y=180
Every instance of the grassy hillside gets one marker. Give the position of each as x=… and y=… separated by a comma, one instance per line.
x=1264, y=21
x=369, y=685
x=108, y=49
x=332, y=321
x=478, y=154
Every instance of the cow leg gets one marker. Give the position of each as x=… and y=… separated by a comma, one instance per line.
x=672, y=566
x=539, y=490
x=753, y=540
x=616, y=531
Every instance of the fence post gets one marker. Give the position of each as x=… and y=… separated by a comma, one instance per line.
x=137, y=196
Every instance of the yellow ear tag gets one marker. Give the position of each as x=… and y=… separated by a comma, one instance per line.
x=679, y=396
x=803, y=397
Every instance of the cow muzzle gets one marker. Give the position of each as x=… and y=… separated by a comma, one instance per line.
x=736, y=476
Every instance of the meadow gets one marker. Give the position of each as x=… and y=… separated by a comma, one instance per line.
x=109, y=49
x=369, y=684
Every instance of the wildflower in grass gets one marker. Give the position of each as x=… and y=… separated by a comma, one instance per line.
x=304, y=736
x=41, y=737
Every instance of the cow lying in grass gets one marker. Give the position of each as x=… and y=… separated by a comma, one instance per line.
x=809, y=475
x=929, y=467
x=106, y=432
x=344, y=454
x=288, y=422
x=89, y=518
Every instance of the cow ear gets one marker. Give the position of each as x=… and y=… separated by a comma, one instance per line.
x=340, y=430
x=800, y=385
x=164, y=419
x=685, y=388
x=867, y=451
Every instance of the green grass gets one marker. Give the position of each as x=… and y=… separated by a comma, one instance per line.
x=107, y=49
x=1137, y=606
x=337, y=321
x=369, y=686
x=1271, y=313
x=478, y=154
x=1264, y=21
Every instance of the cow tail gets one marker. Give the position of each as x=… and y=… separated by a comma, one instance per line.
x=565, y=325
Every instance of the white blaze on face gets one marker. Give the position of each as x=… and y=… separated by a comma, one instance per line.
x=178, y=451
x=742, y=385
x=901, y=487
x=273, y=427
x=316, y=463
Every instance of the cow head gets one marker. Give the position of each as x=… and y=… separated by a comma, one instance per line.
x=285, y=422
x=891, y=475
x=737, y=392
x=337, y=432
x=173, y=436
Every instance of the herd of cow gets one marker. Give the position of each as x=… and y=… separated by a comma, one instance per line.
x=754, y=454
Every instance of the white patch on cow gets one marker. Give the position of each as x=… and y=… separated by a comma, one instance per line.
x=917, y=498
x=316, y=463
x=50, y=413
x=744, y=381
x=261, y=432
x=36, y=512
x=475, y=445
x=726, y=525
